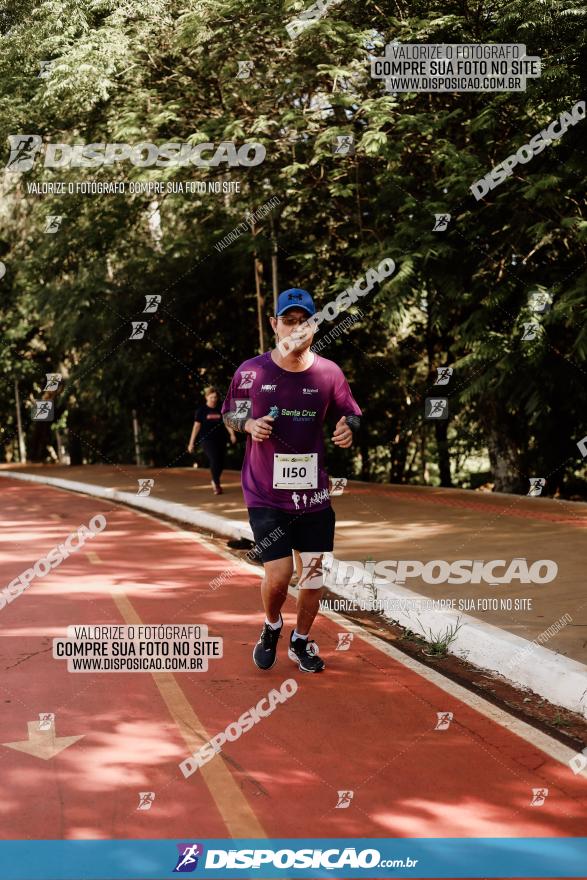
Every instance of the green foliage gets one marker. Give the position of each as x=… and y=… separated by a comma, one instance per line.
x=160, y=71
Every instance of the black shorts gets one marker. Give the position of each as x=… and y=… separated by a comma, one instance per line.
x=278, y=532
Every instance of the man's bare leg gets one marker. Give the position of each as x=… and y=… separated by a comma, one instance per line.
x=308, y=605
x=274, y=586
x=311, y=587
x=273, y=592
x=308, y=599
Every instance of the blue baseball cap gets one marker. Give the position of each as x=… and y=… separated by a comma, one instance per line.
x=295, y=298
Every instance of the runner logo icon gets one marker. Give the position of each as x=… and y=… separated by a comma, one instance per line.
x=187, y=860
x=247, y=378
x=242, y=408
x=344, y=146
x=23, y=150
x=436, y=408
x=337, y=485
x=53, y=381
x=344, y=641
x=42, y=411
x=441, y=222
x=539, y=796
x=444, y=374
x=531, y=329
x=444, y=719
x=139, y=328
x=537, y=484
x=146, y=799
x=52, y=223
x=313, y=569
x=344, y=800
x=46, y=720
x=152, y=303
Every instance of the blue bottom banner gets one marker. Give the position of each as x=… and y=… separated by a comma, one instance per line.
x=507, y=857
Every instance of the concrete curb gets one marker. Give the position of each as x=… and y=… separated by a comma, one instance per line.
x=557, y=678
x=230, y=528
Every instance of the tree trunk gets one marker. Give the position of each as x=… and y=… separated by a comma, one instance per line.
x=76, y=455
x=39, y=439
x=365, y=460
x=441, y=431
x=399, y=454
x=424, y=458
x=505, y=461
x=260, y=301
x=274, y=265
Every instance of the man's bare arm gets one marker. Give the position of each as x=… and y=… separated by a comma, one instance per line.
x=345, y=431
x=237, y=423
x=259, y=429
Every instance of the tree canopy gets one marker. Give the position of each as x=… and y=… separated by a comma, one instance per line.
x=157, y=71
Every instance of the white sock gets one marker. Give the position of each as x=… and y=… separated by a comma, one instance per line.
x=276, y=625
x=296, y=635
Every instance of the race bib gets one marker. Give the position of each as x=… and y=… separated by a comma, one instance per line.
x=295, y=471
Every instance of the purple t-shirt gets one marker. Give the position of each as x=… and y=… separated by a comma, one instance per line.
x=287, y=470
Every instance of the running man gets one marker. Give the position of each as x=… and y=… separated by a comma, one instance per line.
x=284, y=481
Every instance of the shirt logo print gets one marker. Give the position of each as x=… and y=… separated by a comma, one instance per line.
x=247, y=378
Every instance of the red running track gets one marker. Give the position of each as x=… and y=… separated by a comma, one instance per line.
x=367, y=724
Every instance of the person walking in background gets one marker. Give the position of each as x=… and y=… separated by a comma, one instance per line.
x=212, y=433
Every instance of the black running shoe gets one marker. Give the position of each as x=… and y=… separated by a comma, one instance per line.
x=265, y=651
x=300, y=651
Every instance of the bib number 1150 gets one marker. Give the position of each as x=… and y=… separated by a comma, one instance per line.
x=300, y=472
x=297, y=471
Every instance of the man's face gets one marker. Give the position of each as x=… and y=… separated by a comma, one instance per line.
x=294, y=326
x=212, y=400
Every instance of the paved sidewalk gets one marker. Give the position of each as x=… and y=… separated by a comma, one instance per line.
x=381, y=521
